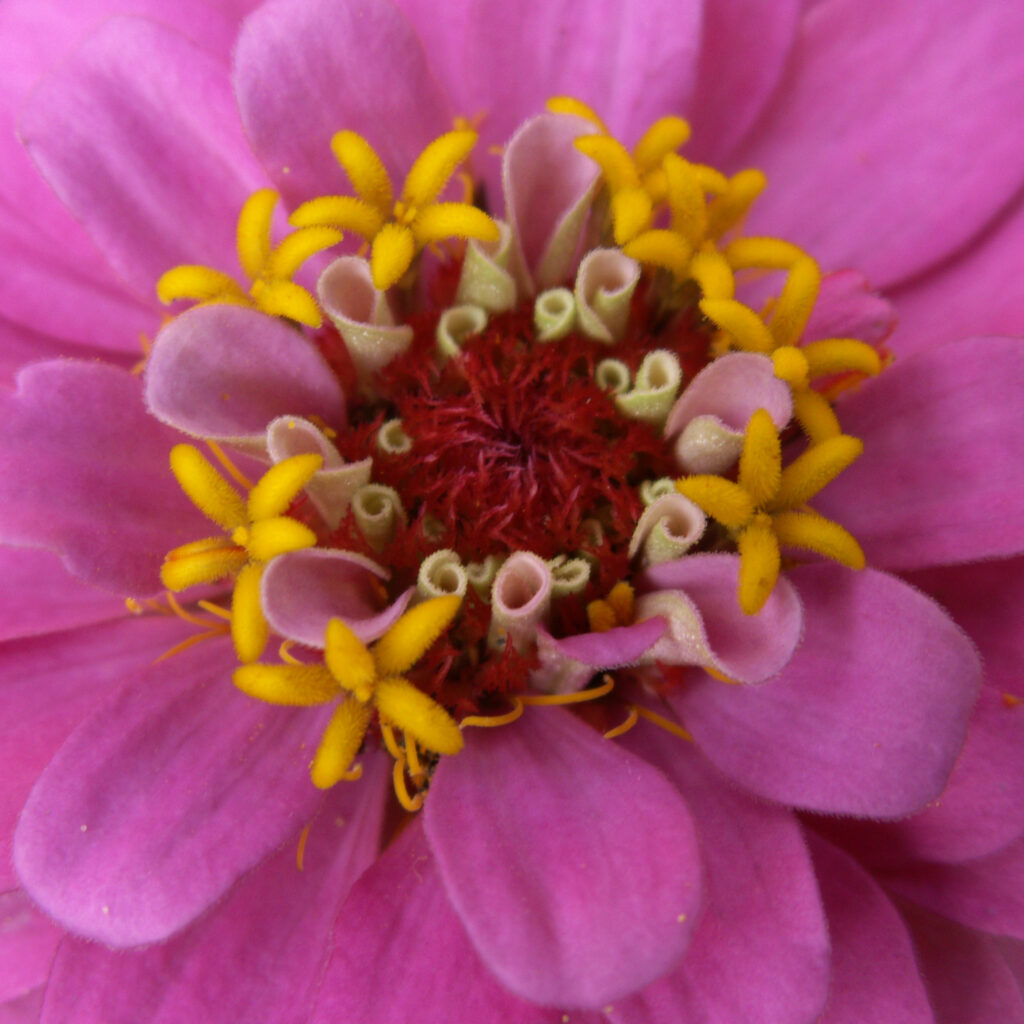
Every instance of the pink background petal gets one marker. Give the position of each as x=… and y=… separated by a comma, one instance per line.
x=27, y=944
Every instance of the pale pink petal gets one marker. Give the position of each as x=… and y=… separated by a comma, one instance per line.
x=305, y=69
x=24, y=1009
x=848, y=307
x=941, y=479
x=27, y=944
x=162, y=798
x=225, y=372
x=633, y=64
x=302, y=591
x=869, y=715
x=384, y=968
x=761, y=948
x=744, y=50
x=866, y=160
x=559, y=852
x=50, y=684
x=967, y=979
x=747, y=648
x=612, y=648
x=38, y=596
x=258, y=956
x=866, y=986
x=986, y=280
x=987, y=893
x=84, y=471
x=137, y=134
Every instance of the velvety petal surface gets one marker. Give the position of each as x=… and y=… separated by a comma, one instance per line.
x=162, y=798
x=848, y=307
x=761, y=948
x=305, y=69
x=866, y=159
x=560, y=852
x=400, y=953
x=226, y=372
x=614, y=647
x=967, y=979
x=866, y=719
x=256, y=957
x=38, y=596
x=84, y=471
x=137, y=133
x=27, y=944
x=866, y=987
x=941, y=479
x=50, y=684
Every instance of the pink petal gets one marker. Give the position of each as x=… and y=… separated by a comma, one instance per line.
x=966, y=977
x=24, y=1009
x=847, y=307
x=864, y=161
x=51, y=683
x=867, y=718
x=573, y=865
x=85, y=473
x=181, y=783
x=304, y=590
x=612, y=648
x=225, y=372
x=744, y=50
x=761, y=949
x=305, y=69
x=38, y=596
x=27, y=944
x=866, y=986
x=258, y=956
x=984, y=278
x=137, y=134
x=747, y=648
x=382, y=970
x=987, y=893
x=632, y=64
x=941, y=479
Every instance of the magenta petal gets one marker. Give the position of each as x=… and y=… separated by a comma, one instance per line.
x=162, y=798
x=305, y=69
x=84, y=471
x=848, y=307
x=137, y=133
x=967, y=979
x=614, y=647
x=385, y=969
x=50, y=684
x=747, y=648
x=941, y=479
x=861, y=154
x=225, y=372
x=256, y=957
x=987, y=893
x=304, y=590
x=761, y=949
x=572, y=864
x=27, y=944
x=866, y=719
x=866, y=986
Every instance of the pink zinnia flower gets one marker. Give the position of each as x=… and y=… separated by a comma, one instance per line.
x=554, y=873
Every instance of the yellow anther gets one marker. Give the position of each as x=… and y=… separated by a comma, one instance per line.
x=815, y=416
x=791, y=366
x=240, y=536
x=269, y=269
x=795, y=303
x=712, y=273
x=623, y=602
x=745, y=327
x=414, y=634
x=613, y=158
x=685, y=200
x=294, y=685
x=841, y=355
x=577, y=108
x=417, y=715
x=601, y=616
x=665, y=136
x=660, y=248
x=206, y=488
x=711, y=179
x=281, y=485
x=631, y=214
x=349, y=660
x=763, y=509
x=762, y=253
x=269, y=538
x=731, y=207
x=248, y=627
x=397, y=230
x=340, y=743
x=184, y=568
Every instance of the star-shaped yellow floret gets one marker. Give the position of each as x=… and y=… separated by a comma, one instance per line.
x=368, y=679
x=398, y=230
x=270, y=268
x=766, y=509
x=257, y=530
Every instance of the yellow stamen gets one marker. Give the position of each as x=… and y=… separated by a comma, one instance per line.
x=293, y=685
x=413, y=634
x=814, y=414
x=365, y=170
x=413, y=757
x=813, y=532
x=721, y=499
x=661, y=248
x=685, y=200
x=284, y=652
x=617, y=166
x=795, y=303
x=248, y=627
x=841, y=355
x=558, y=699
x=741, y=322
x=269, y=538
x=493, y=721
x=664, y=723
x=435, y=165
x=280, y=485
x=663, y=137
x=393, y=746
x=189, y=642
x=601, y=616
x=711, y=271
x=759, y=563
x=577, y=108
x=623, y=602
x=631, y=214
x=342, y=211
x=186, y=566
x=417, y=715
x=814, y=469
x=206, y=488
x=233, y=471
x=411, y=803
x=763, y=253
x=349, y=660
x=253, y=235
x=300, y=852
x=761, y=461
x=791, y=366
x=731, y=207
x=620, y=730
x=340, y=743
x=200, y=284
